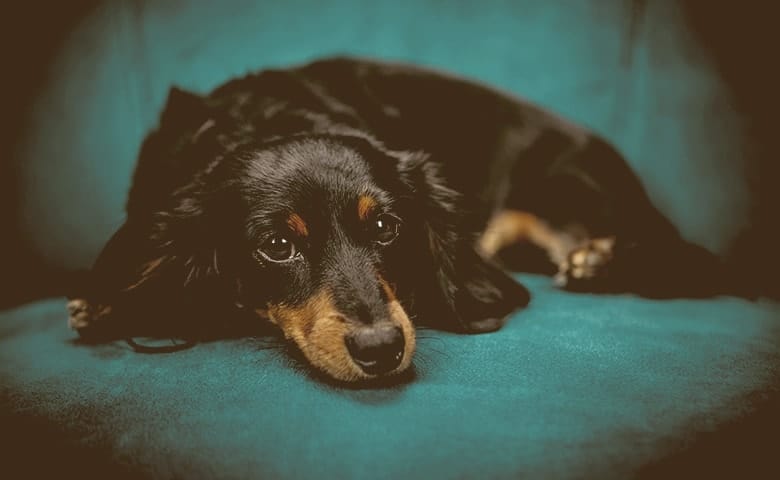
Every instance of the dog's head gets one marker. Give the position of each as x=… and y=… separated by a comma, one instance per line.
x=336, y=240
x=318, y=238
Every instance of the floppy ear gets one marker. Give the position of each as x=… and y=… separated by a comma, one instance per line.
x=168, y=249
x=166, y=228
x=161, y=257
x=182, y=107
x=183, y=141
x=463, y=286
x=481, y=295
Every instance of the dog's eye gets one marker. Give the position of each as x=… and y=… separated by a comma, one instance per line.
x=277, y=249
x=386, y=228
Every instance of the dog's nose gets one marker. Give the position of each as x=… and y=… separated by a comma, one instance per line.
x=377, y=349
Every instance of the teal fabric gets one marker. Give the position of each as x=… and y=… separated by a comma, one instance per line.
x=576, y=385
x=644, y=83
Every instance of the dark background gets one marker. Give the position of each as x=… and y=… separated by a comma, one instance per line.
x=30, y=38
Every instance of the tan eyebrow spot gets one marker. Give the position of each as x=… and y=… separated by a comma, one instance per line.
x=297, y=224
x=365, y=205
x=389, y=289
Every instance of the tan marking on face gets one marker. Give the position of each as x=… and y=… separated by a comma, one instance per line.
x=366, y=205
x=263, y=313
x=297, y=224
x=399, y=318
x=319, y=330
x=389, y=289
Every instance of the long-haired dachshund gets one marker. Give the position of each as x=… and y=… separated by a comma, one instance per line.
x=344, y=199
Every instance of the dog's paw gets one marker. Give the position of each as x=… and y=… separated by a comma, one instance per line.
x=586, y=264
x=84, y=316
x=485, y=325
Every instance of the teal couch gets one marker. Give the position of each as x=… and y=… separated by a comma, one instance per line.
x=574, y=386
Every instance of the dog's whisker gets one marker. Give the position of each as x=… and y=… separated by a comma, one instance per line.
x=215, y=262
x=434, y=350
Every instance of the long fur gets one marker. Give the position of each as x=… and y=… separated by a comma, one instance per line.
x=446, y=153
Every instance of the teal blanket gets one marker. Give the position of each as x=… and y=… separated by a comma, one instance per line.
x=574, y=385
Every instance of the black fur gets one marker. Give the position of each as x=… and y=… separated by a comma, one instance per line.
x=222, y=171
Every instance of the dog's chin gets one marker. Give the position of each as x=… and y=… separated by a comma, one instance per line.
x=343, y=369
x=371, y=382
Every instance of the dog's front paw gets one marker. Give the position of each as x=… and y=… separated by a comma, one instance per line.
x=85, y=316
x=586, y=266
x=485, y=325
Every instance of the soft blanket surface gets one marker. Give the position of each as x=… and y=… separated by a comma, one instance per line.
x=575, y=384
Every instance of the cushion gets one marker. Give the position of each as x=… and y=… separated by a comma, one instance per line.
x=576, y=384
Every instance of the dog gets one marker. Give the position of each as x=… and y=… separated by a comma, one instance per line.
x=347, y=200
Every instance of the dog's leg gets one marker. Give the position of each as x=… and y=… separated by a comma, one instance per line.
x=510, y=227
x=574, y=255
x=580, y=263
x=658, y=266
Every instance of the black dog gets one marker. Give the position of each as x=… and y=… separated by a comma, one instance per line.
x=342, y=198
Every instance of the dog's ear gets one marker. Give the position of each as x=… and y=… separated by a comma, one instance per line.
x=184, y=233
x=480, y=294
x=184, y=119
x=462, y=285
x=182, y=107
x=167, y=232
x=171, y=246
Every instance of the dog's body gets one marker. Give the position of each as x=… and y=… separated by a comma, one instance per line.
x=344, y=197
